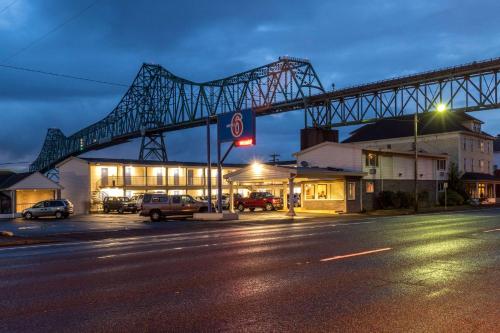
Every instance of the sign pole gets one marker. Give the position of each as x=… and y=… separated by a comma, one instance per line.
x=219, y=176
x=209, y=167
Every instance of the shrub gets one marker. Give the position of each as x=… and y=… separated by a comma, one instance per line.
x=453, y=198
x=404, y=199
x=385, y=199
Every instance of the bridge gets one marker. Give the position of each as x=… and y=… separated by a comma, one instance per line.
x=159, y=101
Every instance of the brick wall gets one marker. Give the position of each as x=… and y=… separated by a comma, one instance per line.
x=337, y=205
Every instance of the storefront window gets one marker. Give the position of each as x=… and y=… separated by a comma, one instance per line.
x=351, y=191
x=337, y=190
x=370, y=187
x=309, y=189
x=322, y=191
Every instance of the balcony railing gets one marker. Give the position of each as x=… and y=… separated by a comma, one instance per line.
x=123, y=181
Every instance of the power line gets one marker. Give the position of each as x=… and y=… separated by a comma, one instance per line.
x=66, y=76
x=8, y=6
x=71, y=18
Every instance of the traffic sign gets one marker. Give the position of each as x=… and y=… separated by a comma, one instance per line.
x=237, y=127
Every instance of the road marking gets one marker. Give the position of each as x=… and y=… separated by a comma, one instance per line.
x=356, y=254
x=492, y=230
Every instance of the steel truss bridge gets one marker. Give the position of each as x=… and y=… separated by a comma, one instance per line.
x=159, y=101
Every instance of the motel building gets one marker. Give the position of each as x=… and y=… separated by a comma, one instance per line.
x=330, y=177
x=19, y=191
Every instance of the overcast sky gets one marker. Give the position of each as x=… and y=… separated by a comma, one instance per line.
x=348, y=42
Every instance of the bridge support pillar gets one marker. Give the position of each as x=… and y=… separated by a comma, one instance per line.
x=153, y=148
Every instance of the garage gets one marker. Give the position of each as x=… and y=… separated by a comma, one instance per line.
x=22, y=190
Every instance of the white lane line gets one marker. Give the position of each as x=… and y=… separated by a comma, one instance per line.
x=356, y=254
x=189, y=247
x=492, y=230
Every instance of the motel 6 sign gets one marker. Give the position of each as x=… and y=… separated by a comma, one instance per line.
x=237, y=127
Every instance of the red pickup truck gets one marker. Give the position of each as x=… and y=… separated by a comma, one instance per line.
x=264, y=200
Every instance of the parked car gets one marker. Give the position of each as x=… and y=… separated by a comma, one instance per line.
x=157, y=206
x=60, y=208
x=264, y=200
x=119, y=204
x=137, y=199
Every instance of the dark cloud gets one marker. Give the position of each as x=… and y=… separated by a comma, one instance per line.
x=348, y=42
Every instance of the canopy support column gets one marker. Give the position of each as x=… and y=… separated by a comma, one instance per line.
x=291, y=208
x=231, y=197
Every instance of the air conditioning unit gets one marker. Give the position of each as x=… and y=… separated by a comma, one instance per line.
x=373, y=171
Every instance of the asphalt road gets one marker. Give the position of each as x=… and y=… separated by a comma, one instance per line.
x=426, y=273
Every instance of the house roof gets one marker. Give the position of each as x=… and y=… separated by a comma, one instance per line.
x=478, y=176
x=8, y=178
x=429, y=123
x=496, y=144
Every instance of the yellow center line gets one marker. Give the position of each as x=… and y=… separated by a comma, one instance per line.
x=356, y=254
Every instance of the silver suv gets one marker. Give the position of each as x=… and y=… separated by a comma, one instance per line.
x=60, y=209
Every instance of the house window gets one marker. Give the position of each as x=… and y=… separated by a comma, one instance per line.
x=309, y=189
x=471, y=144
x=481, y=165
x=472, y=164
x=351, y=191
x=322, y=191
x=370, y=187
x=441, y=165
x=489, y=167
x=371, y=160
x=465, y=144
x=465, y=165
x=440, y=186
x=481, y=146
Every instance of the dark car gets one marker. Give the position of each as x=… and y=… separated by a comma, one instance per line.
x=60, y=209
x=119, y=204
x=264, y=200
x=157, y=206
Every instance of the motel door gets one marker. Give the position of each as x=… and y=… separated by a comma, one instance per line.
x=159, y=177
x=104, y=177
x=128, y=176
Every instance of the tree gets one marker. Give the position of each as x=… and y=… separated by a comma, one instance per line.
x=455, y=182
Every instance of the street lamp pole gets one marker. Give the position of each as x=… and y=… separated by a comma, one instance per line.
x=415, y=180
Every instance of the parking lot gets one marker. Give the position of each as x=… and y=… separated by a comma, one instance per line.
x=117, y=222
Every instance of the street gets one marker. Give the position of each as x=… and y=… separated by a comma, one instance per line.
x=423, y=273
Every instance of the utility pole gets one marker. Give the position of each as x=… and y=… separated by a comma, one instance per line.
x=274, y=158
x=209, y=167
x=415, y=137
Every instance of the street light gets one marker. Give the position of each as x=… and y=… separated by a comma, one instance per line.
x=441, y=107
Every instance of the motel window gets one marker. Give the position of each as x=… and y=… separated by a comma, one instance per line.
x=371, y=160
x=441, y=165
x=322, y=191
x=309, y=189
x=351, y=191
x=370, y=187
